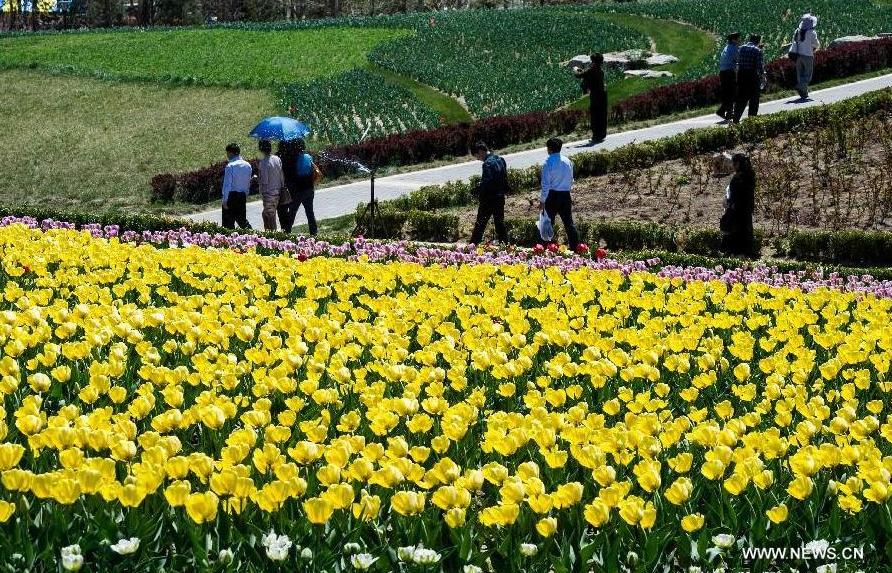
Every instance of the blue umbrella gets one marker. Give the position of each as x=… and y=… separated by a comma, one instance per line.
x=279, y=129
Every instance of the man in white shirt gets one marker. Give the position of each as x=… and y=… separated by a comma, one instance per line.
x=272, y=184
x=557, y=181
x=236, y=185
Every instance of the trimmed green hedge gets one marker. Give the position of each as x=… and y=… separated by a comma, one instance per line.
x=632, y=236
x=847, y=247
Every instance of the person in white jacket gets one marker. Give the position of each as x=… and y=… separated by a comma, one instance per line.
x=805, y=44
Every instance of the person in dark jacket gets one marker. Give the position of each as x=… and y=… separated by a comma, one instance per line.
x=300, y=180
x=492, y=190
x=728, y=76
x=737, y=222
x=750, y=77
x=593, y=85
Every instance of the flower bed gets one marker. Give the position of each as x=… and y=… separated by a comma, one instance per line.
x=207, y=408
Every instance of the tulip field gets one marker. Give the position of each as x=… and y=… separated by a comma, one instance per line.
x=190, y=402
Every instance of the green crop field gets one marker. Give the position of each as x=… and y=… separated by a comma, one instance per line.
x=224, y=57
x=355, y=104
x=504, y=62
x=774, y=19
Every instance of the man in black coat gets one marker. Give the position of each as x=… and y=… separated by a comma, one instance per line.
x=593, y=85
x=492, y=190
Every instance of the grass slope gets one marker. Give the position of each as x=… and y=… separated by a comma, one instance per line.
x=78, y=142
x=690, y=45
x=225, y=57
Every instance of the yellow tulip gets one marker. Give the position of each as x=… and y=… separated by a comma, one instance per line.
x=546, y=526
x=318, y=510
x=778, y=513
x=693, y=522
x=6, y=511
x=202, y=507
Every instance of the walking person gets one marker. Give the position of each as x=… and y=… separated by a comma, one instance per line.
x=593, y=85
x=272, y=184
x=306, y=175
x=728, y=76
x=287, y=209
x=750, y=77
x=236, y=185
x=557, y=182
x=740, y=202
x=805, y=44
x=491, y=194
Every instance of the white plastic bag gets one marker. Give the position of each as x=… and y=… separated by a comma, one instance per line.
x=546, y=231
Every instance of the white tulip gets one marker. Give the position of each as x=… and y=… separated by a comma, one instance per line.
x=723, y=540
x=405, y=553
x=125, y=546
x=528, y=549
x=362, y=561
x=226, y=556
x=72, y=562
x=424, y=556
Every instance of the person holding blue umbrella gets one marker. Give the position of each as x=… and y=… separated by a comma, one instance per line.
x=301, y=176
x=299, y=171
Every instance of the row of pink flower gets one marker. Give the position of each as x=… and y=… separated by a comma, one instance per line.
x=305, y=247
x=379, y=251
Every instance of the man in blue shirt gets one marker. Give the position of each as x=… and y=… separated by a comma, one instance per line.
x=236, y=186
x=557, y=181
x=750, y=76
x=491, y=194
x=728, y=76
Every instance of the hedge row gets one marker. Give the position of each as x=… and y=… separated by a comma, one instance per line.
x=415, y=225
x=846, y=247
x=196, y=187
x=633, y=236
x=452, y=141
x=648, y=154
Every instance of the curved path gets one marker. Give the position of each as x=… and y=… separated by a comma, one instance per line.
x=343, y=199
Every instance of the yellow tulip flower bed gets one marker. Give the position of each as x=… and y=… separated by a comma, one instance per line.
x=199, y=409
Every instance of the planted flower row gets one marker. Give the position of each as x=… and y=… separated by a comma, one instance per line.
x=302, y=247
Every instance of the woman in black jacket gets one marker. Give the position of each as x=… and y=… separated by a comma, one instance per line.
x=593, y=84
x=737, y=222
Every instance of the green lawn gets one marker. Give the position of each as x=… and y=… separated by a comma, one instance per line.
x=94, y=145
x=224, y=57
x=689, y=44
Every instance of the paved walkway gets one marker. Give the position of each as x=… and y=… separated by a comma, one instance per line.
x=343, y=199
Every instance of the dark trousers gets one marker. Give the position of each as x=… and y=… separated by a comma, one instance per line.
x=286, y=213
x=236, y=211
x=748, y=93
x=305, y=198
x=559, y=203
x=727, y=93
x=598, y=115
x=491, y=206
x=739, y=241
